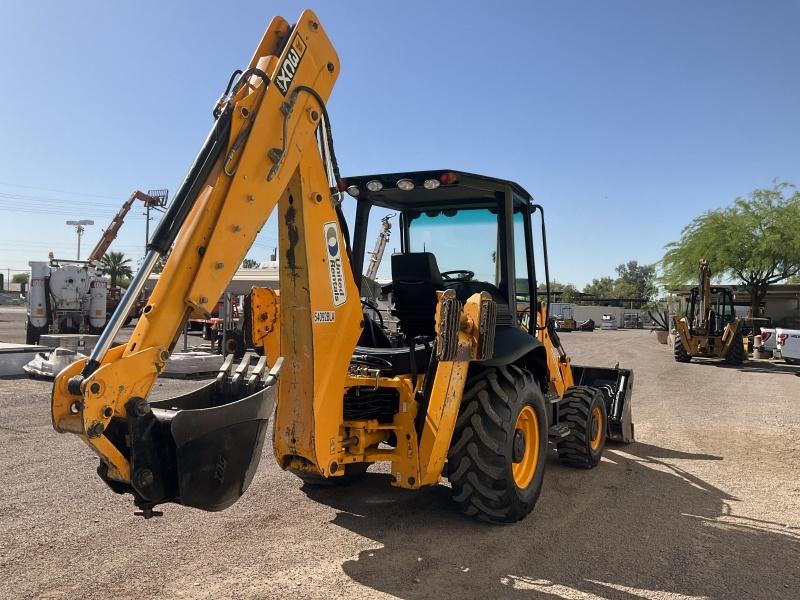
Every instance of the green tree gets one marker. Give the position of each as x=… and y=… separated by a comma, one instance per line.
x=115, y=266
x=568, y=291
x=755, y=240
x=635, y=281
x=20, y=278
x=600, y=288
x=249, y=263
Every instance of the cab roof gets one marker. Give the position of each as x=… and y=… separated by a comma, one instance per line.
x=457, y=189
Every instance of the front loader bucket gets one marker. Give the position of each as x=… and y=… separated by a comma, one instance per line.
x=200, y=449
x=617, y=387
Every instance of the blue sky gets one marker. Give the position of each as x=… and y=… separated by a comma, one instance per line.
x=625, y=119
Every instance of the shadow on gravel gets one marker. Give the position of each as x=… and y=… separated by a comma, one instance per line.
x=767, y=367
x=636, y=526
x=751, y=366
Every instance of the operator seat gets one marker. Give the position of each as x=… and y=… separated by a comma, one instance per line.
x=415, y=281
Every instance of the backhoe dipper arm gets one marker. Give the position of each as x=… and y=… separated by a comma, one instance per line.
x=261, y=152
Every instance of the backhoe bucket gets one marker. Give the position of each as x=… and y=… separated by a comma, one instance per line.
x=617, y=387
x=200, y=449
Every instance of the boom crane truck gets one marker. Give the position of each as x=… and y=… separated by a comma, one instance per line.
x=460, y=390
x=376, y=255
x=110, y=234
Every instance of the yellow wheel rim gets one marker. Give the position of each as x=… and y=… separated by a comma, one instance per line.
x=596, y=428
x=526, y=429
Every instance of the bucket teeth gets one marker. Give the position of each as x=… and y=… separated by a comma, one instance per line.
x=274, y=372
x=256, y=375
x=238, y=381
x=226, y=370
x=261, y=378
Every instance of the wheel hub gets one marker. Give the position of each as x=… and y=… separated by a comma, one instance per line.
x=518, y=447
x=525, y=447
x=595, y=429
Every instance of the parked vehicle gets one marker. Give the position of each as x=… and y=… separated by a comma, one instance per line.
x=564, y=314
x=711, y=327
x=115, y=297
x=66, y=296
x=769, y=339
x=458, y=386
x=788, y=343
x=609, y=322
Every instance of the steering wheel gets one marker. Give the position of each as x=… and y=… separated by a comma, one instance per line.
x=458, y=276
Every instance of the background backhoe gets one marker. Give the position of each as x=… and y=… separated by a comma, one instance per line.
x=710, y=328
x=457, y=388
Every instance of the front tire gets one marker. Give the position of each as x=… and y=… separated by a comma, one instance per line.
x=497, y=459
x=735, y=355
x=679, y=351
x=583, y=410
x=33, y=333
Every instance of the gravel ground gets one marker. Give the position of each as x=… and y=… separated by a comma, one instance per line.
x=703, y=505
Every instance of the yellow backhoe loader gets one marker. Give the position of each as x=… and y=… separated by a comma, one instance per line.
x=453, y=388
x=710, y=328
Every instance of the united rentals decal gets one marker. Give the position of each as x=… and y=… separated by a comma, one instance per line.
x=335, y=268
x=288, y=67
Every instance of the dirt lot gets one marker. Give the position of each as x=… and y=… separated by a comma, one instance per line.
x=705, y=505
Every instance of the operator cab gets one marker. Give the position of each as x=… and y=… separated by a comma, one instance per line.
x=710, y=320
x=459, y=231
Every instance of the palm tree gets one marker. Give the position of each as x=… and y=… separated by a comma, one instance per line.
x=115, y=265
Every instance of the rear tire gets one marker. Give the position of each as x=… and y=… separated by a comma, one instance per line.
x=497, y=458
x=735, y=355
x=352, y=473
x=33, y=333
x=583, y=410
x=234, y=343
x=679, y=351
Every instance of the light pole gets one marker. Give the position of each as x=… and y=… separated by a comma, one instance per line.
x=79, y=229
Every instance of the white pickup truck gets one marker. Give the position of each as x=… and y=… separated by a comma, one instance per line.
x=768, y=339
x=788, y=344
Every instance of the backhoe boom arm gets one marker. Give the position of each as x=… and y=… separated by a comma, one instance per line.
x=262, y=153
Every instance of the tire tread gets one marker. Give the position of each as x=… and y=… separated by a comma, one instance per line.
x=480, y=478
x=575, y=412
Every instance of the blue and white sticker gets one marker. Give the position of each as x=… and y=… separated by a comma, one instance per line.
x=335, y=265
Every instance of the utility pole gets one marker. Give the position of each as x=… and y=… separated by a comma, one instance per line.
x=158, y=202
x=79, y=229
